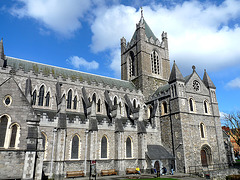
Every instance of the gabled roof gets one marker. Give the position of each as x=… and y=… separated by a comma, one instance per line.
x=175, y=75
x=158, y=152
x=207, y=80
x=17, y=64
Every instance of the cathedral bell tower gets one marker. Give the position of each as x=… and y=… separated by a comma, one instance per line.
x=145, y=60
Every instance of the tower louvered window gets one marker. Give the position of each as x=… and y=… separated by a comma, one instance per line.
x=155, y=63
x=132, y=65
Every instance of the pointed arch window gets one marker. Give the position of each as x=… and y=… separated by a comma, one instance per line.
x=75, y=147
x=69, y=99
x=155, y=63
x=115, y=100
x=120, y=108
x=44, y=140
x=164, y=107
x=191, y=104
x=202, y=130
x=13, y=136
x=99, y=106
x=3, y=129
x=134, y=103
x=128, y=147
x=205, y=106
x=41, y=96
x=34, y=98
x=44, y=143
x=47, y=99
x=75, y=103
x=132, y=64
x=104, y=147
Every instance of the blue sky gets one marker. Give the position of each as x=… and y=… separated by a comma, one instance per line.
x=85, y=35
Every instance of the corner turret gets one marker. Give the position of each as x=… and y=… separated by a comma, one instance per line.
x=175, y=75
x=207, y=80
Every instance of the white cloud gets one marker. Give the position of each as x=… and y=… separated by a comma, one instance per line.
x=199, y=33
x=116, y=62
x=111, y=24
x=235, y=83
x=61, y=16
x=79, y=62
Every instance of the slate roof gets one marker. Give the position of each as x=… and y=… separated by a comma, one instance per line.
x=175, y=75
x=148, y=32
x=162, y=89
x=17, y=64
x=158, y=152
x=207, y=80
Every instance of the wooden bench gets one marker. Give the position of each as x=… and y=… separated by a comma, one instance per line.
x=108, y=172
x=131, y=171
x=74, y=174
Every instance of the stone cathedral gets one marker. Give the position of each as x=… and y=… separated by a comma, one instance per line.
x=54, y=120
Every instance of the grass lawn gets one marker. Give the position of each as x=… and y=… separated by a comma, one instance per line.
x=157, y=178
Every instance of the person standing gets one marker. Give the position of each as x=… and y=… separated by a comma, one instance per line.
x=172, y=169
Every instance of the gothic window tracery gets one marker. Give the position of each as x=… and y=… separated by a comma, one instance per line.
x=155, y=62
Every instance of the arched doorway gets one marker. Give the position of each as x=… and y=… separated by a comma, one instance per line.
x=206, y=155
x=157, y=165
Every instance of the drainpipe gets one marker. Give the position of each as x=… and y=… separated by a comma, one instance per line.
x=51, y=168
x=85, y=159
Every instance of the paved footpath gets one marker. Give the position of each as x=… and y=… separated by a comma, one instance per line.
x=181, y=176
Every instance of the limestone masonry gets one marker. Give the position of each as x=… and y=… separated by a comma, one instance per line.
x=55, y=120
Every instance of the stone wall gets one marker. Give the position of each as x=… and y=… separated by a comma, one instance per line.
x=11, y=164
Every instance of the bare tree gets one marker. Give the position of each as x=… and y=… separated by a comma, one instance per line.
x=233, y=122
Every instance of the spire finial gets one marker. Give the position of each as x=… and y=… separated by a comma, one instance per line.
x=141, y=12
x=193, y=67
